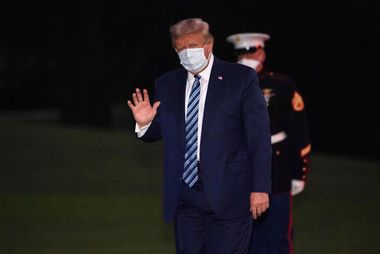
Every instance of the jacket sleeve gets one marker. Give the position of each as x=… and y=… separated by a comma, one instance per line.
x=300, y=134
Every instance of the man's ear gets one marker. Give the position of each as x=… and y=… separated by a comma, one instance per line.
x=261, y=55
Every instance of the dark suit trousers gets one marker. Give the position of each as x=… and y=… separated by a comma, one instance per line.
x=198, y=230
x=272, y=233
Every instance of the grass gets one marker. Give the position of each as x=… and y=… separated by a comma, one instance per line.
x=76, y=190
x=339, y=211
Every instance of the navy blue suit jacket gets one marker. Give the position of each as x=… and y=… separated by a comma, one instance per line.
x=235, y=150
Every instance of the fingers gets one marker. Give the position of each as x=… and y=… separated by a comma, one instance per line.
x=257, y=211
x=137, y=98
x=130, y=105
x=259, y=203
x=254, y=213
x=146, y=95
x=139, y=95
x=156, y=105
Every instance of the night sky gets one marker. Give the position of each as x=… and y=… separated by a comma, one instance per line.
x=83, y=58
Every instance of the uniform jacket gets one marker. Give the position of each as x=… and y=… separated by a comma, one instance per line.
x=289, y=129
x=235, y=149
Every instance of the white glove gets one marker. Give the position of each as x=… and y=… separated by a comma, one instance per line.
x=297, y=186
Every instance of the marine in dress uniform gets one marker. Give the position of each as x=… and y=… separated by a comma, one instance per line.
x=291, y=147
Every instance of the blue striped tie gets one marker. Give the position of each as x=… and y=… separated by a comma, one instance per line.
x=190, y=175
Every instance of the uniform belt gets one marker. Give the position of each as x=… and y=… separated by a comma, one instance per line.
x=278, y=137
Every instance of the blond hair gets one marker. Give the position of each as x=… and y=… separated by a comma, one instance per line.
x=190, y=26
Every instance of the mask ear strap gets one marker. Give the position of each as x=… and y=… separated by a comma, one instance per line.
x=208, y=57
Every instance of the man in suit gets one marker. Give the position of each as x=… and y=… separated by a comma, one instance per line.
x=214, y=124
x=291, y=147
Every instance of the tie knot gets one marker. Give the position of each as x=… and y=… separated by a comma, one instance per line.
x=197, y=77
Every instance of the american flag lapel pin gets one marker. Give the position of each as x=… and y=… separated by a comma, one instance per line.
x=220, y=77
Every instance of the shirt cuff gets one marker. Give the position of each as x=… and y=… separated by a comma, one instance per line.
x=141, y=131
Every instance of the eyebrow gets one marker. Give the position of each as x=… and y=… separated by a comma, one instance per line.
x=191, y=44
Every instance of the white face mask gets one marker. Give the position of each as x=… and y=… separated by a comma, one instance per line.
x=250, y=62
x=193, y=59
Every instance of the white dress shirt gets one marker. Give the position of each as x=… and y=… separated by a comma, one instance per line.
x=205, y=77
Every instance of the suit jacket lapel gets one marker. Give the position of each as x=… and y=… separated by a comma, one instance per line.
x=180, y=105
x=212, y=98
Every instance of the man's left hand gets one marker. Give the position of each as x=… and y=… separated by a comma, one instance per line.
x=259, y=203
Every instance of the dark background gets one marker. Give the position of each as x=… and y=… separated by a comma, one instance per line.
x=86, y=58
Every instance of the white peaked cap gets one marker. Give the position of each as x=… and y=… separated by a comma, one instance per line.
x=248, y=40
